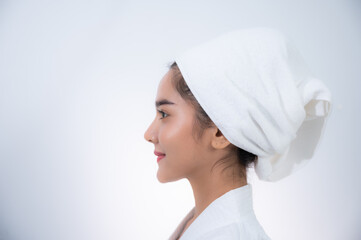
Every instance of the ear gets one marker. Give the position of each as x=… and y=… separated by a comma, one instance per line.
x=219, y=141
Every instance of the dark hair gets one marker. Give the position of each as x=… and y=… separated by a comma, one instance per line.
x=202, y=120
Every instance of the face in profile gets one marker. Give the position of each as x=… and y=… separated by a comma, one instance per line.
x=171, y=134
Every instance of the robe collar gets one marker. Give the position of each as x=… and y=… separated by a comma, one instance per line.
x=233, y=206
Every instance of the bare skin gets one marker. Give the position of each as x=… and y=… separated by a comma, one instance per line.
x=171, y=134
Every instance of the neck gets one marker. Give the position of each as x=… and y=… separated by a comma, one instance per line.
x=207, y=187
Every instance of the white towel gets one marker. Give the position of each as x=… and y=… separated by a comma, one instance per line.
x=256, y=88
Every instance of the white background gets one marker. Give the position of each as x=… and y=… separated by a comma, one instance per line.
x=78, y=81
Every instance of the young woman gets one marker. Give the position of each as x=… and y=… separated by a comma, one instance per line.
x=244, y=99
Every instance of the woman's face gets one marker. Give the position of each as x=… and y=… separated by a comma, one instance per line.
x=172, y=135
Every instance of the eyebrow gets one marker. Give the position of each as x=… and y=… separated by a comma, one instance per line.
x=163, y=102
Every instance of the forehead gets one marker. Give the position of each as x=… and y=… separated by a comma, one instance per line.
x=167, y=92
x=166, y=89
x=166, y=81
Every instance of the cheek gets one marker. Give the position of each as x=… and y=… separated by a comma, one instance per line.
x=176, y=138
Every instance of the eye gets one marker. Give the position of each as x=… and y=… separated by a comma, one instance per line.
x=161, y=112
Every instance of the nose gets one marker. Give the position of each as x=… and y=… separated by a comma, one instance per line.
x=149, y=134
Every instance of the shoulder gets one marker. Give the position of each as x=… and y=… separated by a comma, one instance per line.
x=236, y=231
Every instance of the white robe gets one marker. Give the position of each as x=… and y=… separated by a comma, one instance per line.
x=229, y=217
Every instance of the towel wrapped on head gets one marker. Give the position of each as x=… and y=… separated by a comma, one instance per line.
x=257, y=89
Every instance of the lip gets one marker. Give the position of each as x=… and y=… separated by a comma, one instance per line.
x=160, y=155
x=160, y=158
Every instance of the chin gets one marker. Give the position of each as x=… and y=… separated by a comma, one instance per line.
x=164, y=179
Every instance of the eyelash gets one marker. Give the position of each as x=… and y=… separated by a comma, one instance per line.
x=161, y=112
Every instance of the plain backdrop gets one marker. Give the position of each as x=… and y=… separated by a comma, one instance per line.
x=78, y=80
